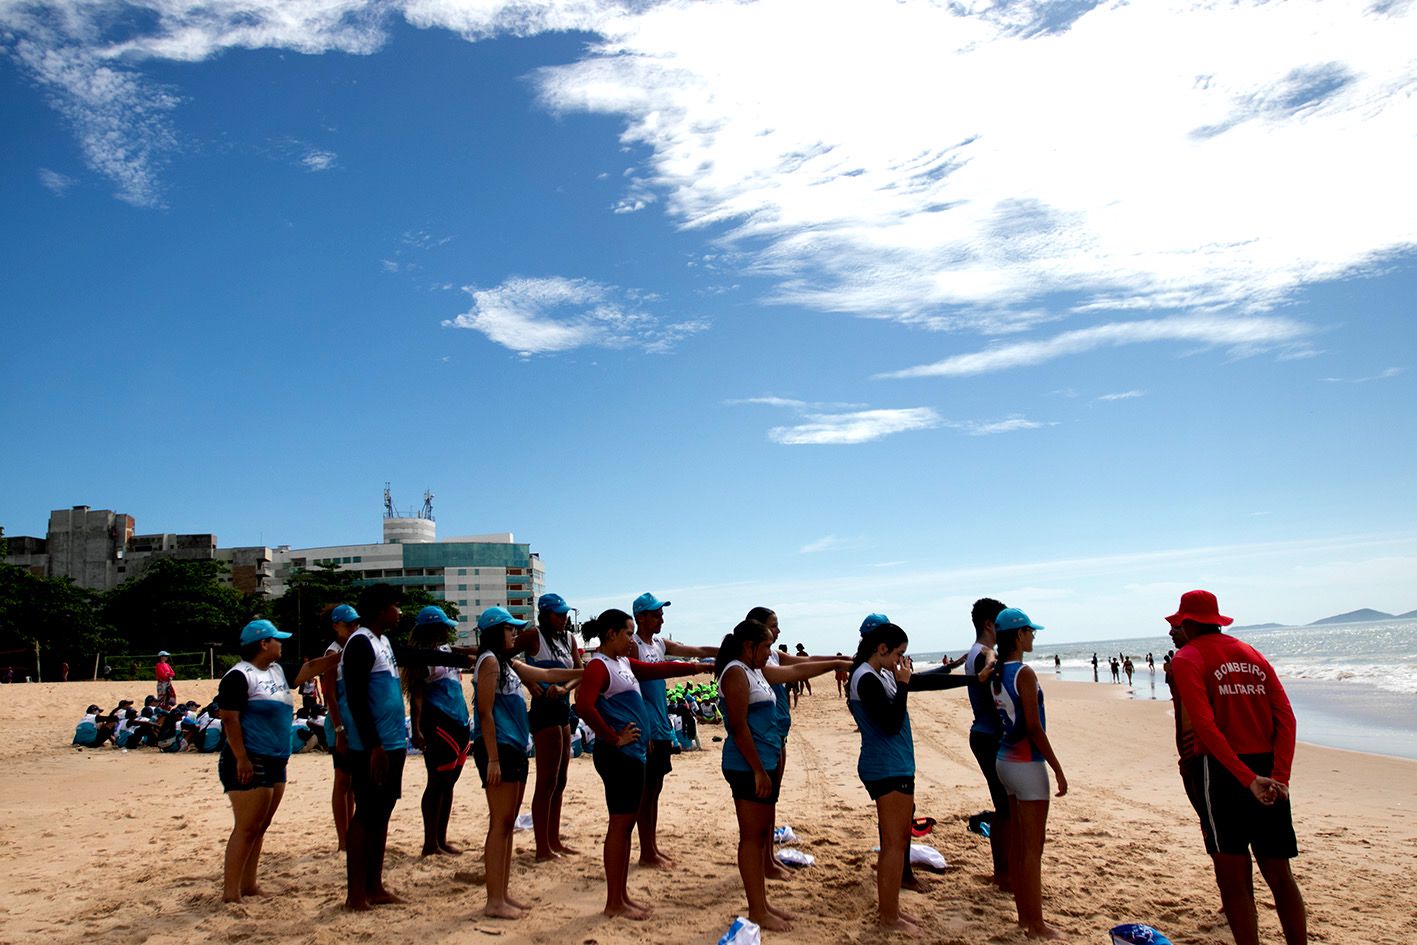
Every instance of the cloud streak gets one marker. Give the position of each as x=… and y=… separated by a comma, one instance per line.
x=553, y=314
x=860, y=426
x=1239, y=336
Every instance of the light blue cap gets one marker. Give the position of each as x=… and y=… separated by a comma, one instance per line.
x=1012, y=618
x=258, y=630
x=163, y=653
x=344, y=614
x=873, y=621
x=432, y=614
x=647, y=601
x=495, y=617
x=554, y=603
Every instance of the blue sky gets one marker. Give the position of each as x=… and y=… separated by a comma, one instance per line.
x=834, y=308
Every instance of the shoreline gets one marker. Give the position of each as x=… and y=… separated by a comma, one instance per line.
x=1124, y=844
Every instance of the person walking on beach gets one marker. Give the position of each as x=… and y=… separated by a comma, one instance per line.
x=1094, y=668
x=1245, y=732
x=985, y=731
x=500, y=735
x=610, y=700
x=1116, y=669
x=1128, y=668
x=649, y=620
x=752, y=751
x=163, y=671
x=550, y=720
x=1024, y=750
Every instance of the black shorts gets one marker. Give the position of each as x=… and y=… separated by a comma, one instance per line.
x=1193, y=780
x=445, y=741
x=511, y=759
x=376, y=800
x=1239, y=823
x=986, y=749
x=266, y=771
x=745, y=787
x=340, y=759
x=658, y=761
x=623, y=777
x=548, y=713
x=880, y=788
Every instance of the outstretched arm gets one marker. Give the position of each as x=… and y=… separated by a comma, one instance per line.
x=693, y=652
x=806, y=669
x=539, y=674
x=667, y=669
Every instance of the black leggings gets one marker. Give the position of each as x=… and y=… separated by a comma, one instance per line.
x=986, y=750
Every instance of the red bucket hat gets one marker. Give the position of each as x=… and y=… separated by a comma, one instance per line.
x=1201, y=607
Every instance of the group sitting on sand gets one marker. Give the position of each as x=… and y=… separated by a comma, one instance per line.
x=1235, y=736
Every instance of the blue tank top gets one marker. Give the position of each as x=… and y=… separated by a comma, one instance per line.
x=550, y=655
x=443, y=691
x=385, y=696
x=762, y=722
x=882, y=755
x=620, y=704
x=654, y=692
x=783, y=710
x=266, y=718
x=1015, y=745
x=508, y=708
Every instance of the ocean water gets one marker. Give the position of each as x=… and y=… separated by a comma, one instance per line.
x=1352, y=685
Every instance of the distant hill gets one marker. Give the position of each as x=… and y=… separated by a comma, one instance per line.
x=1356, y=616
x=1411, y=614
x=1260, y=626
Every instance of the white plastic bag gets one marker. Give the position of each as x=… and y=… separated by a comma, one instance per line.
x=742, y=932
x=927, y=856
x=790, y=857
x=523, y=822
x=784, y=834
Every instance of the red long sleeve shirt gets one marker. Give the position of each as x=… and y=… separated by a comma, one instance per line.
x=1235, y=703
x=596, y=678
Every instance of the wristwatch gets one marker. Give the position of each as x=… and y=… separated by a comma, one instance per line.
x=339, y=729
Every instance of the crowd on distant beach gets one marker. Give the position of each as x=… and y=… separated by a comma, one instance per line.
x=1235, y=736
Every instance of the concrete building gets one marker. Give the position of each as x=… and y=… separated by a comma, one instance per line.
x=473, y=571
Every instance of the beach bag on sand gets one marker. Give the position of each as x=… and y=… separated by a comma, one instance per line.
x=795, y=858
x=85, y=734
x=1134, y=934
x=784, y=834
x=742, y=932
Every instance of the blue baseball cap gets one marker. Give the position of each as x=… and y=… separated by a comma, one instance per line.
x=431, y=614
x=163, y=653
x=554, y=603
x=873, y=621
x=258, y=630
x=647, y=601
x=495, y=617
x=1011, y=618
x=344, y=614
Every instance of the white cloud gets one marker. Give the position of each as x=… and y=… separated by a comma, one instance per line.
x=860, y=426
x=547, y=315
x=1123, y=395
x=981, y=156
x=317, y=160
x=55, y=182
x=1383, y=375
x=1241, y=336
x=977, y=158
x=791, y=403
x=825, y=543
x=991, y=428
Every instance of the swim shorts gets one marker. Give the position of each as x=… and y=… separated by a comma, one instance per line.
x=511, y=759
x=445, y=742
x=882, y=786
x=745, y=786
x=1024, y=780
x=548, y=713
x=376, y=799
x=1240, y=823
x=266, y=771
x=624, y=779
x=658, y=762
x=1193, y=780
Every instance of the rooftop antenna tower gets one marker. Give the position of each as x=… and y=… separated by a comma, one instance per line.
x=388, y=502
x=427, y=510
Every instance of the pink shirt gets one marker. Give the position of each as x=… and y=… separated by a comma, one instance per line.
x=165, y=672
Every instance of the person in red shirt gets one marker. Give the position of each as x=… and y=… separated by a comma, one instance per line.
x=166, y=692
x=1244, y=735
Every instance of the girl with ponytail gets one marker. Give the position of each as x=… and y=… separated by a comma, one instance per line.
x=752, y=751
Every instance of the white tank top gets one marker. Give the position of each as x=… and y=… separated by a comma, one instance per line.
x=758, y=688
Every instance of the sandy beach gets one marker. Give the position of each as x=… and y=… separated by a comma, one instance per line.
x=114, y=847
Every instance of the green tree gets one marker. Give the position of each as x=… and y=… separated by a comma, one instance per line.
x=300, y=610
x=57, y=614
x=176, y=605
